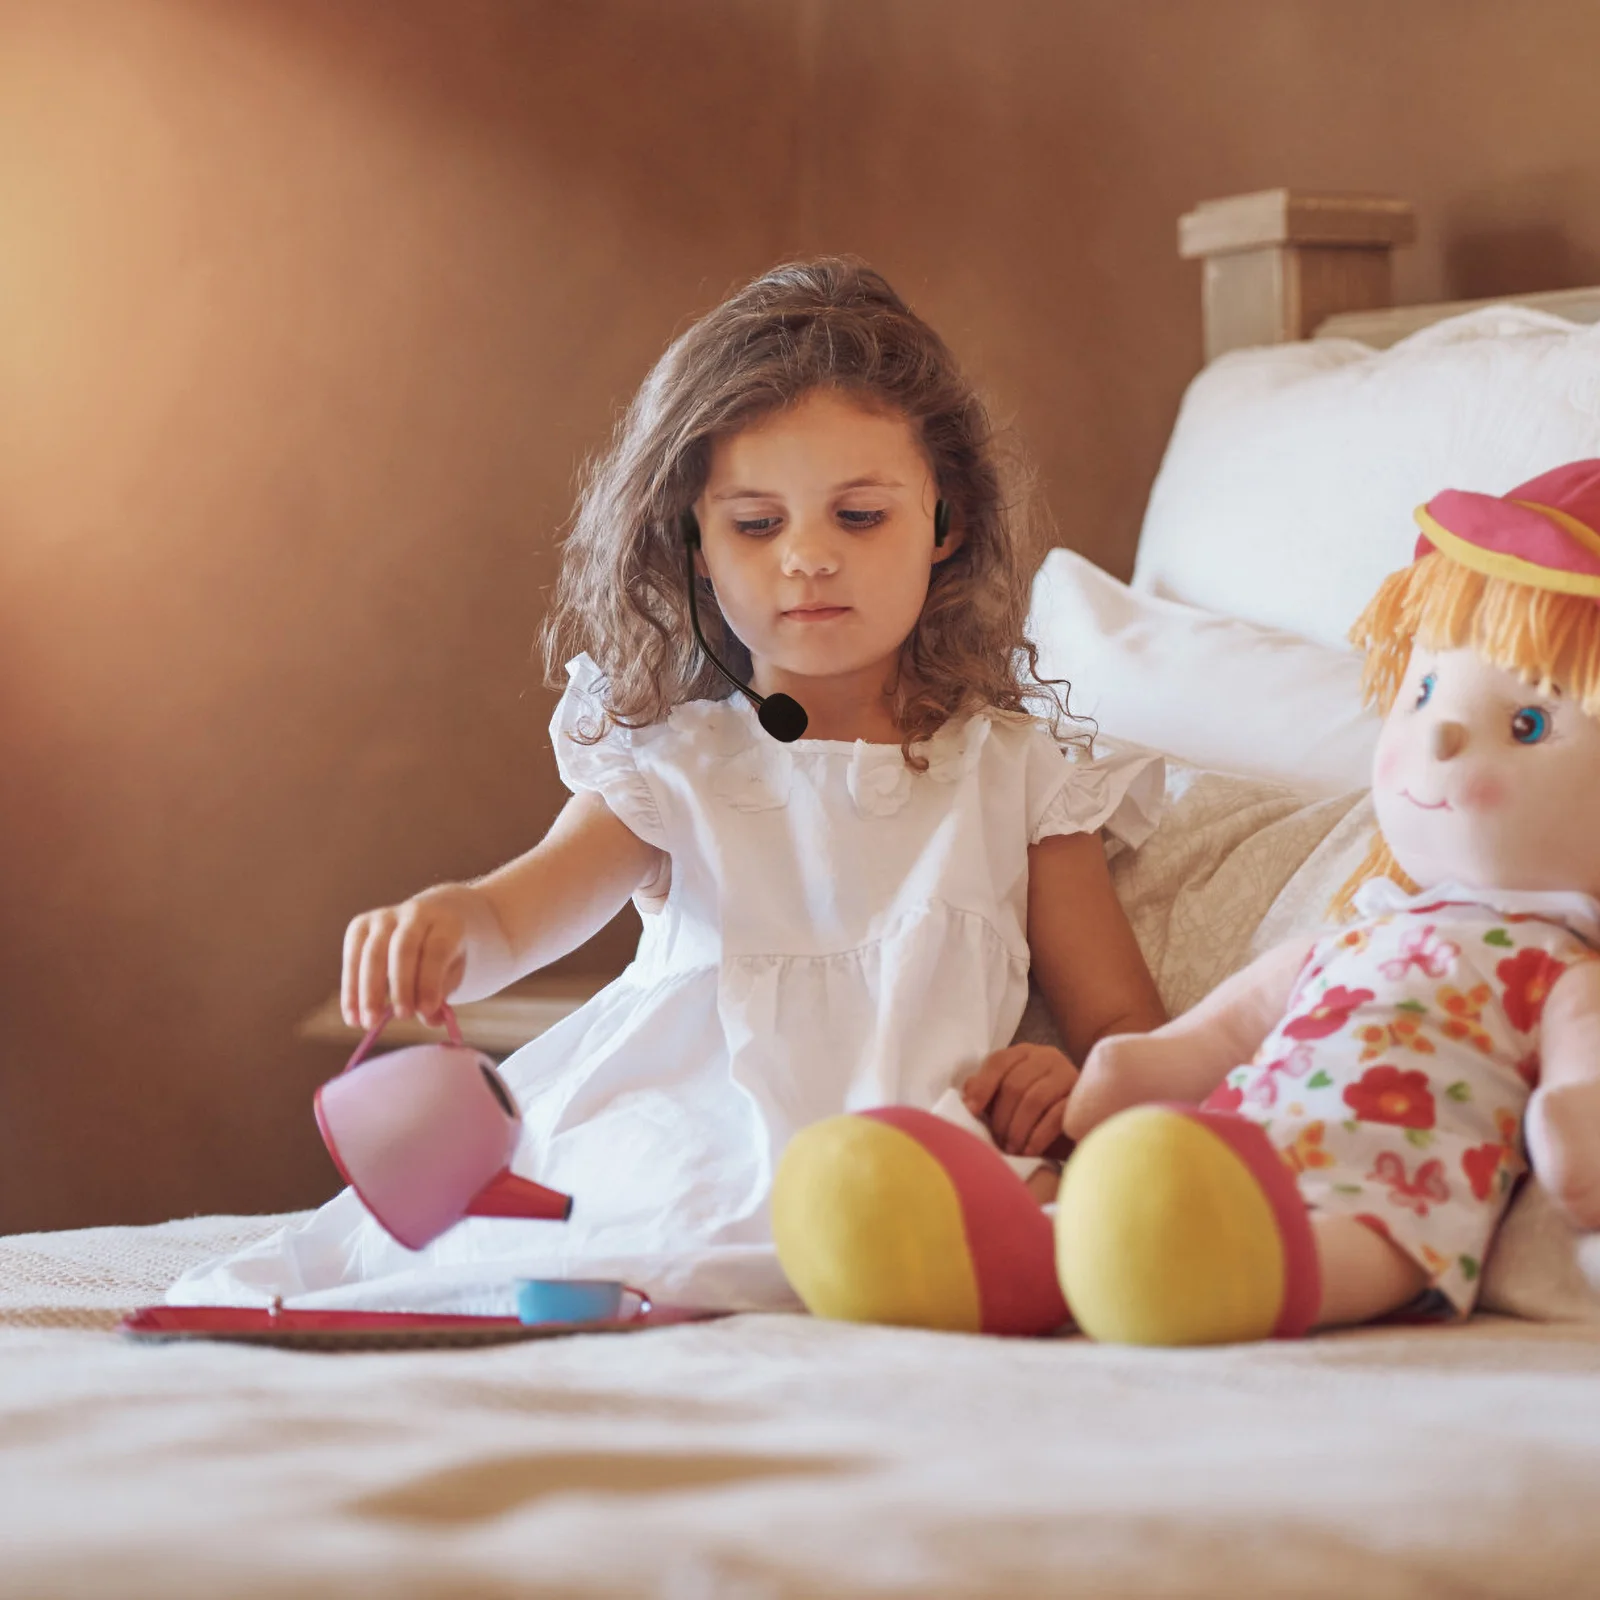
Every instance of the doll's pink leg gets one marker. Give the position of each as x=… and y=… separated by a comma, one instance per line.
x=1364, y=1276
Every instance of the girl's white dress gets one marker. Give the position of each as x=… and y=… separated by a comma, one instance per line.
x=838, y=933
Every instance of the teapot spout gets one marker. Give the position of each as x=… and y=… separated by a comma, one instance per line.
x=507, y=1195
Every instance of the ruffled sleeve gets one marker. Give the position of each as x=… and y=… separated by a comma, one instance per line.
x=1120, y=789
x=607, y=767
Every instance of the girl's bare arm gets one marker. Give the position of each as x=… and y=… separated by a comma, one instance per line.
x=462, y=941
x=1086, y=962
x=1094, y=980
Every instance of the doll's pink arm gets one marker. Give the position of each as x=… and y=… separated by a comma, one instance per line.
x=1188, y=1057
x=1563, y=1123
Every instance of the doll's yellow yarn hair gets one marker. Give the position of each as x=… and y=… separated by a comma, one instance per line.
x=1546, y=637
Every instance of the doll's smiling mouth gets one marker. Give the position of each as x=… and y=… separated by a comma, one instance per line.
x=1423, y=805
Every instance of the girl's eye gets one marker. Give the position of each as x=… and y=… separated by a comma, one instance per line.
x=1530, y=725
x=1425, y=691
x=862, y=519
x=756, y=525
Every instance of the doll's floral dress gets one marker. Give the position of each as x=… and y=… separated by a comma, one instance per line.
x=1395, y=1085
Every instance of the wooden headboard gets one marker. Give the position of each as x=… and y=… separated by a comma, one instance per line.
x=1281, y=265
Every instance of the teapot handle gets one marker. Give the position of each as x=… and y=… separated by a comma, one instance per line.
x=452, y=1027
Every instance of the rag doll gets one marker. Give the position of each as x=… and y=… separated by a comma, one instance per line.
x=1335, y=1133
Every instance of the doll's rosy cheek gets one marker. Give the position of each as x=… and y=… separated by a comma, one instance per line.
x=1483, y=793
x=1387, y=766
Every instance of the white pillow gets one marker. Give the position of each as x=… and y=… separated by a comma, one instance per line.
x=1288, y=484
x=1211, y=690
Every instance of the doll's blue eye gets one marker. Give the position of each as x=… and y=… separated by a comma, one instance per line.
x=1530, y=725
x=1425, y=691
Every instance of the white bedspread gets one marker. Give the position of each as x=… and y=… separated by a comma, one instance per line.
x=774, y=1456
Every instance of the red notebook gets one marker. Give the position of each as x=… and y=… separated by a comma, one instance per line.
x=373, y=1330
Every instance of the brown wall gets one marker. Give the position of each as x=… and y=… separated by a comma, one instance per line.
x=309, y=308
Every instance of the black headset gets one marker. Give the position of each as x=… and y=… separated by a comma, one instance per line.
x=780, y=714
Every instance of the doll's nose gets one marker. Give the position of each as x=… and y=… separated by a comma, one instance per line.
x=1448, y=739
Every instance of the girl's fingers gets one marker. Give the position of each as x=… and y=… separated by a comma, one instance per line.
x=355, y=938
x=438, y=948
x=455, y=970
x=1036, y=1099
x=405, y=951
x=426, y=968
x=1046, y=1130
x=1060, y=1147
x=374, y=981
x=1009, y=1095
x=978, y=1090
x=1063, y=1080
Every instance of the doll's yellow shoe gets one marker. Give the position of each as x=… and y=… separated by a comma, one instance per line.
x=898, y=1216
x=1179, y=1226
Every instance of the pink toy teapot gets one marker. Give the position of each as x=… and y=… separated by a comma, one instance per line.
x=425, y=1136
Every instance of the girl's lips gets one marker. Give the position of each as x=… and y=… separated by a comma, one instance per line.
x=815, y=613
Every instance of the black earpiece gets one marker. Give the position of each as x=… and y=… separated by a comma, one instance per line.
x=941, y=523
x=781, y=715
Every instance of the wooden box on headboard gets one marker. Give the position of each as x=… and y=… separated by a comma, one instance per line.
x=1278, y=263
x=1282, y=265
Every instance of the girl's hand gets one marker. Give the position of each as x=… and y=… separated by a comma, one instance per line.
x=1021, y=1093
x=412, y=956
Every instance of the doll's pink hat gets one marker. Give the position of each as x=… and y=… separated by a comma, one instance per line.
x=1541, y=534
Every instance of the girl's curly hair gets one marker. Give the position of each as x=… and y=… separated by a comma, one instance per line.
x=828, y=323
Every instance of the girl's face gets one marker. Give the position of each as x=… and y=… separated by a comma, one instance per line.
x=1482, y=781
x=817, y=534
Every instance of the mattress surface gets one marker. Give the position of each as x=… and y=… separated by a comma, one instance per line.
x=774, y=1456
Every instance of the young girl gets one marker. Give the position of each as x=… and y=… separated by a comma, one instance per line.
x=835, y=921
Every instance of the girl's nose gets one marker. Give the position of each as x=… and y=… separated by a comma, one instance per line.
x=808, y=552
x=1448, y=739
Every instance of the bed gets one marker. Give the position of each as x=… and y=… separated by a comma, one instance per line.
x=773, y=1455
